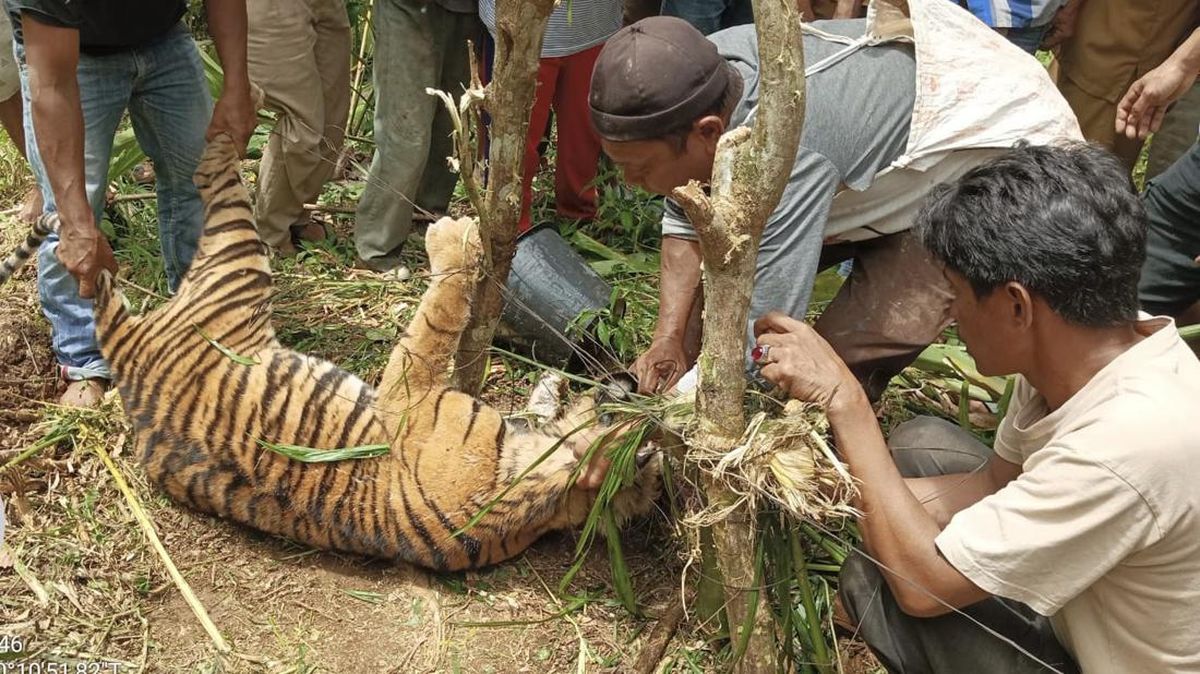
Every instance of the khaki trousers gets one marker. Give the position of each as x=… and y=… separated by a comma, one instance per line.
x=1115, y=43
x=298, y=51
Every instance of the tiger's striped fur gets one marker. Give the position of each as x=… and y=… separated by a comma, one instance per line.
x=28, y=248
x=198, y=413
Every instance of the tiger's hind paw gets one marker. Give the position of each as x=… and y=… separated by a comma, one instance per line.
x=453, y=245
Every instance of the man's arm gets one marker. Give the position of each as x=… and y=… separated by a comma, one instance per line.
x=666, y=361
x=1140, y=112
x=897, y=529
x=52, y=54
x=847, y=9
x=1062, y=27
x=234, y=113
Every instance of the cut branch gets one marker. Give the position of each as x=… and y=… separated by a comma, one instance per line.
x=750, y=171
x=520, y=26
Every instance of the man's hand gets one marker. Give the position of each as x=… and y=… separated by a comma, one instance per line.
x=234, y=114
x=661, y=366
x=1062, y=27
x=1140, y=112
x=847, y=9
x=84, y=251
x=801, y=362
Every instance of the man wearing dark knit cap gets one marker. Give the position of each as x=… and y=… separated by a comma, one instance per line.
x=873, y=144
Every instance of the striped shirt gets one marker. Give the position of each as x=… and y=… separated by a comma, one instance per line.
x=1014, y=13
x=575, y=25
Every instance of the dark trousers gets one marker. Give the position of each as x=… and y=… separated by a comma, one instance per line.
x=710, y=16
x=862, y=323
x=951, y=643
x=1170, y=280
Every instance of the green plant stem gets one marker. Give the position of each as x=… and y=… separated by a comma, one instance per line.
x=839, y=555
x=751, y=598
x=812, y=623
x=48, y=440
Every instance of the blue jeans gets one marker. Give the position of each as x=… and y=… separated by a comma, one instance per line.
x=1028, y=38
x=162, y=85
x=709, y=16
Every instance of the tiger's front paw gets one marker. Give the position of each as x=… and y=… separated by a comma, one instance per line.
x=453, y=245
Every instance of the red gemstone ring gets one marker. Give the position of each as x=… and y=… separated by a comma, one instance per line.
x=759, y=353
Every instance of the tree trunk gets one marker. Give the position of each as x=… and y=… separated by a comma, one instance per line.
x=750, y=171
x=520, y=26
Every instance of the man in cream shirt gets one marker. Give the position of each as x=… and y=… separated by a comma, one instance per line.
x=1075, y=545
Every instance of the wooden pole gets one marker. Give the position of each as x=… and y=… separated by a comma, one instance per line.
x=520, y=26
x=750, y=171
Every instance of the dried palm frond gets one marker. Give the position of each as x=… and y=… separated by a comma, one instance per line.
x=782, y=460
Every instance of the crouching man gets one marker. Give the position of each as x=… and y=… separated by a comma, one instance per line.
x=876, y=138
x=1075, y=543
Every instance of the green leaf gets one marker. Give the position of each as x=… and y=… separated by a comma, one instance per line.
x=226, y=351
x=314, y=455
x=365, y=595
x=616, y=559
x=381, y=335
x=964, y=406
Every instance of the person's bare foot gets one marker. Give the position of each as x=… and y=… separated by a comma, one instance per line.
x=85, y=393
x=32, y=207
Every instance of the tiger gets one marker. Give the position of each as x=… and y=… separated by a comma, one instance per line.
x=206, y=385
x=41, y=229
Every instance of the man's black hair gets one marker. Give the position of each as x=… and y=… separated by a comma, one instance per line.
x=1062, y=220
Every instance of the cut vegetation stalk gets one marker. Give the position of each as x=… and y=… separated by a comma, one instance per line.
x=147, y=526
x=812, y=620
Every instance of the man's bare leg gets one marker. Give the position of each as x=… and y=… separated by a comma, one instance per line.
x=11, y=117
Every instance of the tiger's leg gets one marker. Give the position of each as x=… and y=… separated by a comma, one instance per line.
x=113, y=322
x=227, y=289
x=420, y=361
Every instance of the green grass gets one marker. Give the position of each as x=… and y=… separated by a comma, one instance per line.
x=15, y=178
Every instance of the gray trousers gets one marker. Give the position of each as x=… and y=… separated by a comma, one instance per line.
x=418, y=44
x=1170, y=282
x=924, y=447
x=1177, y=135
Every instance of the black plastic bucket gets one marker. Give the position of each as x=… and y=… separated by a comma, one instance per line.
x=549, y=287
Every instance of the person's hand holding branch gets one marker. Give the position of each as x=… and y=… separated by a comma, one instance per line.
x=794, y=357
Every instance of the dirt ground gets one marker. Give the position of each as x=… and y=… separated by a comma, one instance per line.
x=79, y=584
